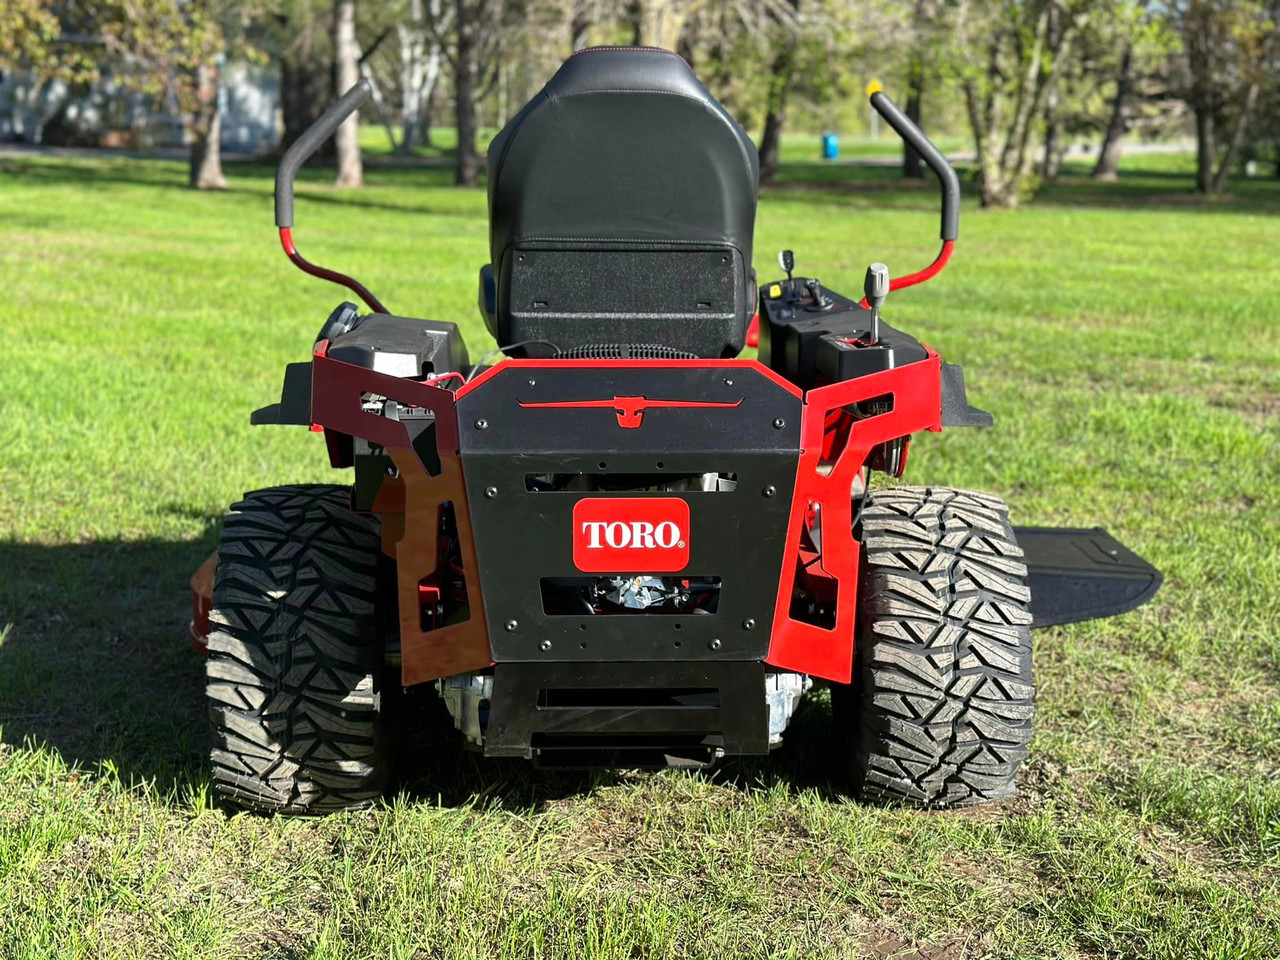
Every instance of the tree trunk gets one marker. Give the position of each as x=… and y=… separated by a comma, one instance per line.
x=981, y=121
x=1237, y=137
x=1108, y=165
x=464, y=86
x=430, y=79
x=656, y=21
x=912, y=164
x=420, y=58
x=770, y=141
x=413, y=40
x=1051, y=159
x=580, y=24
x=1206, y=148
x=661, y=22
x=776, y=114
x=426, y=120
x=346, y=56
x=305, y=86
x=1024, y=107
x=204, y=171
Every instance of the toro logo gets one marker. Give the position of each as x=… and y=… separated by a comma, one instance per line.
x=621, y=535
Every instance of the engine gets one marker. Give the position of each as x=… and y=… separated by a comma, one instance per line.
x=636, y=593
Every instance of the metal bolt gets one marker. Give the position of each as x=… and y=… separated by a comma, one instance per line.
x=715, y=643
x=728, y=382
x=490, y=492
x=546, y=645
x=532, y=382
x=770, y=491
x=512, y=625
x=779, y=424
x=749, y=623
x=482, y=424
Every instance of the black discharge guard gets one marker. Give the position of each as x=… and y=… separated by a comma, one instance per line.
x=1082, y=574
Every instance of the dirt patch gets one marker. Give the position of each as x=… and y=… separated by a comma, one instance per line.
x=883, y=945
x=1263, y=405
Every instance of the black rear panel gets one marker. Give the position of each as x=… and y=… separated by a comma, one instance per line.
x=746, y=433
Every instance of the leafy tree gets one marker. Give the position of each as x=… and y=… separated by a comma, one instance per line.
x=1007, y=57
x=1228, y=46
x=165, y=48
x=29, y=34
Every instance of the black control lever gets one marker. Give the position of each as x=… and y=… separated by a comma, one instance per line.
x=820, y=300
x=787, y=261
x=310, y=142
x=876, y=289
x=931, y=155
x=294, y=158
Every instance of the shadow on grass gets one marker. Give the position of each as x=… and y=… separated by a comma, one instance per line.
x=95, y=662
x=96, y=665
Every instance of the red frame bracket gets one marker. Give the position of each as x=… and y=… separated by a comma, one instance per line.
x=336, y=395
x=916, y=390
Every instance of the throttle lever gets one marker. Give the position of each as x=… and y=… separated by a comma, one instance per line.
x=876, y=289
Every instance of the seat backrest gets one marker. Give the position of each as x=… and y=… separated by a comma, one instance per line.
x=622, y=202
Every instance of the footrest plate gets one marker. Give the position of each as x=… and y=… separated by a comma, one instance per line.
x=1082, y=574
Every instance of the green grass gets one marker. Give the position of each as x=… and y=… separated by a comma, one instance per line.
x=1123, y=335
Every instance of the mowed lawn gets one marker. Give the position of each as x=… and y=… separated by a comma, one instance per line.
x=1125, y=337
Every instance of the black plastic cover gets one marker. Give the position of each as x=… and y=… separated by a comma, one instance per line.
x=625, y=718
x=810, y=345
x=524, y=535
x=402, y=346
x=956, y=411
x=295, y=399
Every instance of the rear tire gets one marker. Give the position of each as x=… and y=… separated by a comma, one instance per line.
x=939, y=711
x=296, y=654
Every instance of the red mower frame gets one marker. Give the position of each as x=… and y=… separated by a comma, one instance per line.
x=835, y=455
x=645, y=560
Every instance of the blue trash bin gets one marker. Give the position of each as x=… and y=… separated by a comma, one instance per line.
x=831, y=146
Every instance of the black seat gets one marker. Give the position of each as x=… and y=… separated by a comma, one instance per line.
x=622, y=202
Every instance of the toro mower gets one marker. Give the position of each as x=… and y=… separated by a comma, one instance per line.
x=621, y=544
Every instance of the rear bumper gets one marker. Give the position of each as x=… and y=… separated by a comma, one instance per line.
x=628, y=714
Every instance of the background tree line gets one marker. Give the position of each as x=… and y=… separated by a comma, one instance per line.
x=1020, y=79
